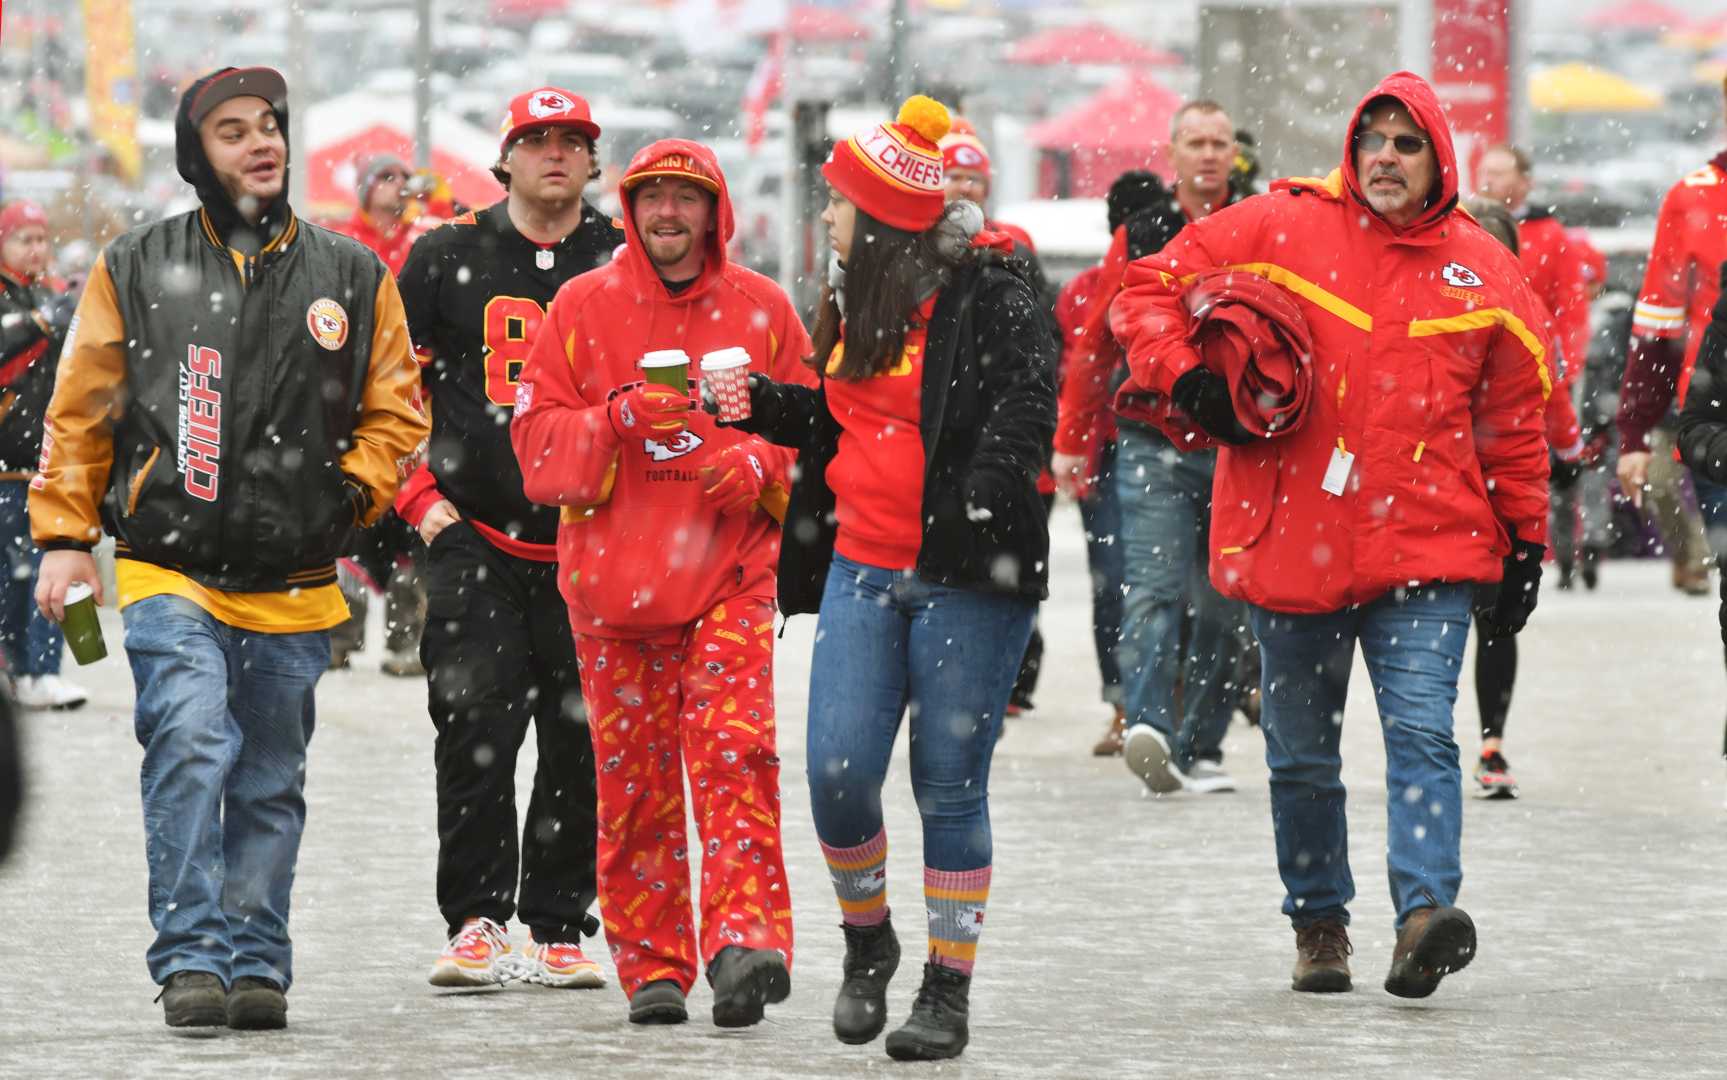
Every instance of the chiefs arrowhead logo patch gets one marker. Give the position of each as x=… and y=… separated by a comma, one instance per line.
x=1463, y=277
x=546, y=103
x=328, y=323
x=684, y=442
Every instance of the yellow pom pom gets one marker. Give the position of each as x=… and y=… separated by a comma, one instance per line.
x=926, y=116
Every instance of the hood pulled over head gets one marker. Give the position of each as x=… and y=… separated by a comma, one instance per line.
x=194, y=165
x=1417, y=96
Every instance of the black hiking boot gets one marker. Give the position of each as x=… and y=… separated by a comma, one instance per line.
x=192, y=999
x=745, y=980
x=658, y=1002
x=256, y=1004
x=872, y=956
x=937, y=1027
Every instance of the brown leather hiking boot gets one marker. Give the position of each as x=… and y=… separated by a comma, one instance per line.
x=1434, y=942
x=1110, y=744
x=1322, y=959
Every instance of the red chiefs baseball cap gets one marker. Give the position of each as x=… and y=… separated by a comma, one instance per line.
x=546, y=107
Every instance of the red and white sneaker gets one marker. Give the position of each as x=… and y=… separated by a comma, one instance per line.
x=561, y=964
x=1493, y=779
x=473, y=956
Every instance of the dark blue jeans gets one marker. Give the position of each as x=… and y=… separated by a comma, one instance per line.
x=1412, y=641
x=32, y=643
x=1166, y=529
x=224, y=716
x=1100, y=514
x=888, y=641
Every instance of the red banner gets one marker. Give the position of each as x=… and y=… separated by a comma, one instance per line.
x=1472, y=72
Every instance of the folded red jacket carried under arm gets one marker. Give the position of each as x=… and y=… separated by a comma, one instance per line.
x=1251, y=332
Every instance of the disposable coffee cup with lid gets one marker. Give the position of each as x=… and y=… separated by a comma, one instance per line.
x=726, y=372
x=668, y=367
x=82, y=629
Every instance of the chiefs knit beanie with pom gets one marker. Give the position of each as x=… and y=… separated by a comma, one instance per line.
x=892, y=172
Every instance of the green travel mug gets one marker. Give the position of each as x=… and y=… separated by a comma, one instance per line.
x=83, y=631
x=668, y=367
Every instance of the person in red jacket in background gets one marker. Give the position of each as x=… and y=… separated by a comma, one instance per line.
x=1419, y=471
x=1679, y=289
x=1561, y=264
x=381, y=221
x=667, y=547
x=1171, y=740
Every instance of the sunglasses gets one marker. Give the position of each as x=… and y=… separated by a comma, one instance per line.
x=1408, y=145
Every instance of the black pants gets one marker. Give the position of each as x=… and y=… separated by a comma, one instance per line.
x=498, y=653
x=1495, y=672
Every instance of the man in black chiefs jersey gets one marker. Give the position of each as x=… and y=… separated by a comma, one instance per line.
x=497, y=645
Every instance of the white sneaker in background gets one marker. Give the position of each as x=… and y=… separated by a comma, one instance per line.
x=1147, y=754
x=48, y=692
x=1208, y=778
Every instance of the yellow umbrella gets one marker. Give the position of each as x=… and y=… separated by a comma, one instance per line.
x=1582, y=88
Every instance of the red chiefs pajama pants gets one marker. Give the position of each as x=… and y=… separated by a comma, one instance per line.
x=704, y=704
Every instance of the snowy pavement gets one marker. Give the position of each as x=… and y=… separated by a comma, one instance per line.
x=1127, y=935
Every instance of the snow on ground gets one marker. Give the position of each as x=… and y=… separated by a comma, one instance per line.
x=1127, y=935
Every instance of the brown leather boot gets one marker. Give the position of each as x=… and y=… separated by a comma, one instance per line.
x=1110, y=744
x=1322, y=959
x=1434, y=942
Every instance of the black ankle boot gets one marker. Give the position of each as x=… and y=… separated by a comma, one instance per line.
x=1591, y=566
x=937, y=1028
x=744, y=980
x=872, y=956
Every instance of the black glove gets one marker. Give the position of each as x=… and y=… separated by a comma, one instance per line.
x=764, y=405
x=1509, y=609
x=1565, y=474
x=1204, y=396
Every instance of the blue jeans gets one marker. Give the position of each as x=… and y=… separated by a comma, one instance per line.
x=1100, y=514
x=887, y=640
x=32, y=643
x=224, y=716
x=1412, y=641
x=1165, y=511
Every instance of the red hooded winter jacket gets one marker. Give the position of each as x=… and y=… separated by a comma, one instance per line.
x=1428, y=365
x=641, y=552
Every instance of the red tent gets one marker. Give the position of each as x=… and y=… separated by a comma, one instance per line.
x=1125, y=126
x=330, y=183
x=1649, y=15
x=1087, y=43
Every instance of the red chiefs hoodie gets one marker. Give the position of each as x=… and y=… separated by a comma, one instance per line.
x=1429, y=367
x=641, y=551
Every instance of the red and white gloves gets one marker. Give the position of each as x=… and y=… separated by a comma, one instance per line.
x=648, y=411
x=734, y=482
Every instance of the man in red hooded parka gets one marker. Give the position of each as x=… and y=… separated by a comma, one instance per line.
x=1419, y=471
x=667, y=548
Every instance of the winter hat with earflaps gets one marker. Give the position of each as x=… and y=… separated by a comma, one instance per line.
x=893, y=172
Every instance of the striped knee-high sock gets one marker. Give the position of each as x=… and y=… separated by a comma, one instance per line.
x=860, y=880
x=956, y=900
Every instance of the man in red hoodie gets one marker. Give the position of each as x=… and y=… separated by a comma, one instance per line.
x=1420, y=469
x=667, y=547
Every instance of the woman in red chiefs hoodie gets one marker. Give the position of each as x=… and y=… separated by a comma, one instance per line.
x=666, y=551
x=916, y=529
